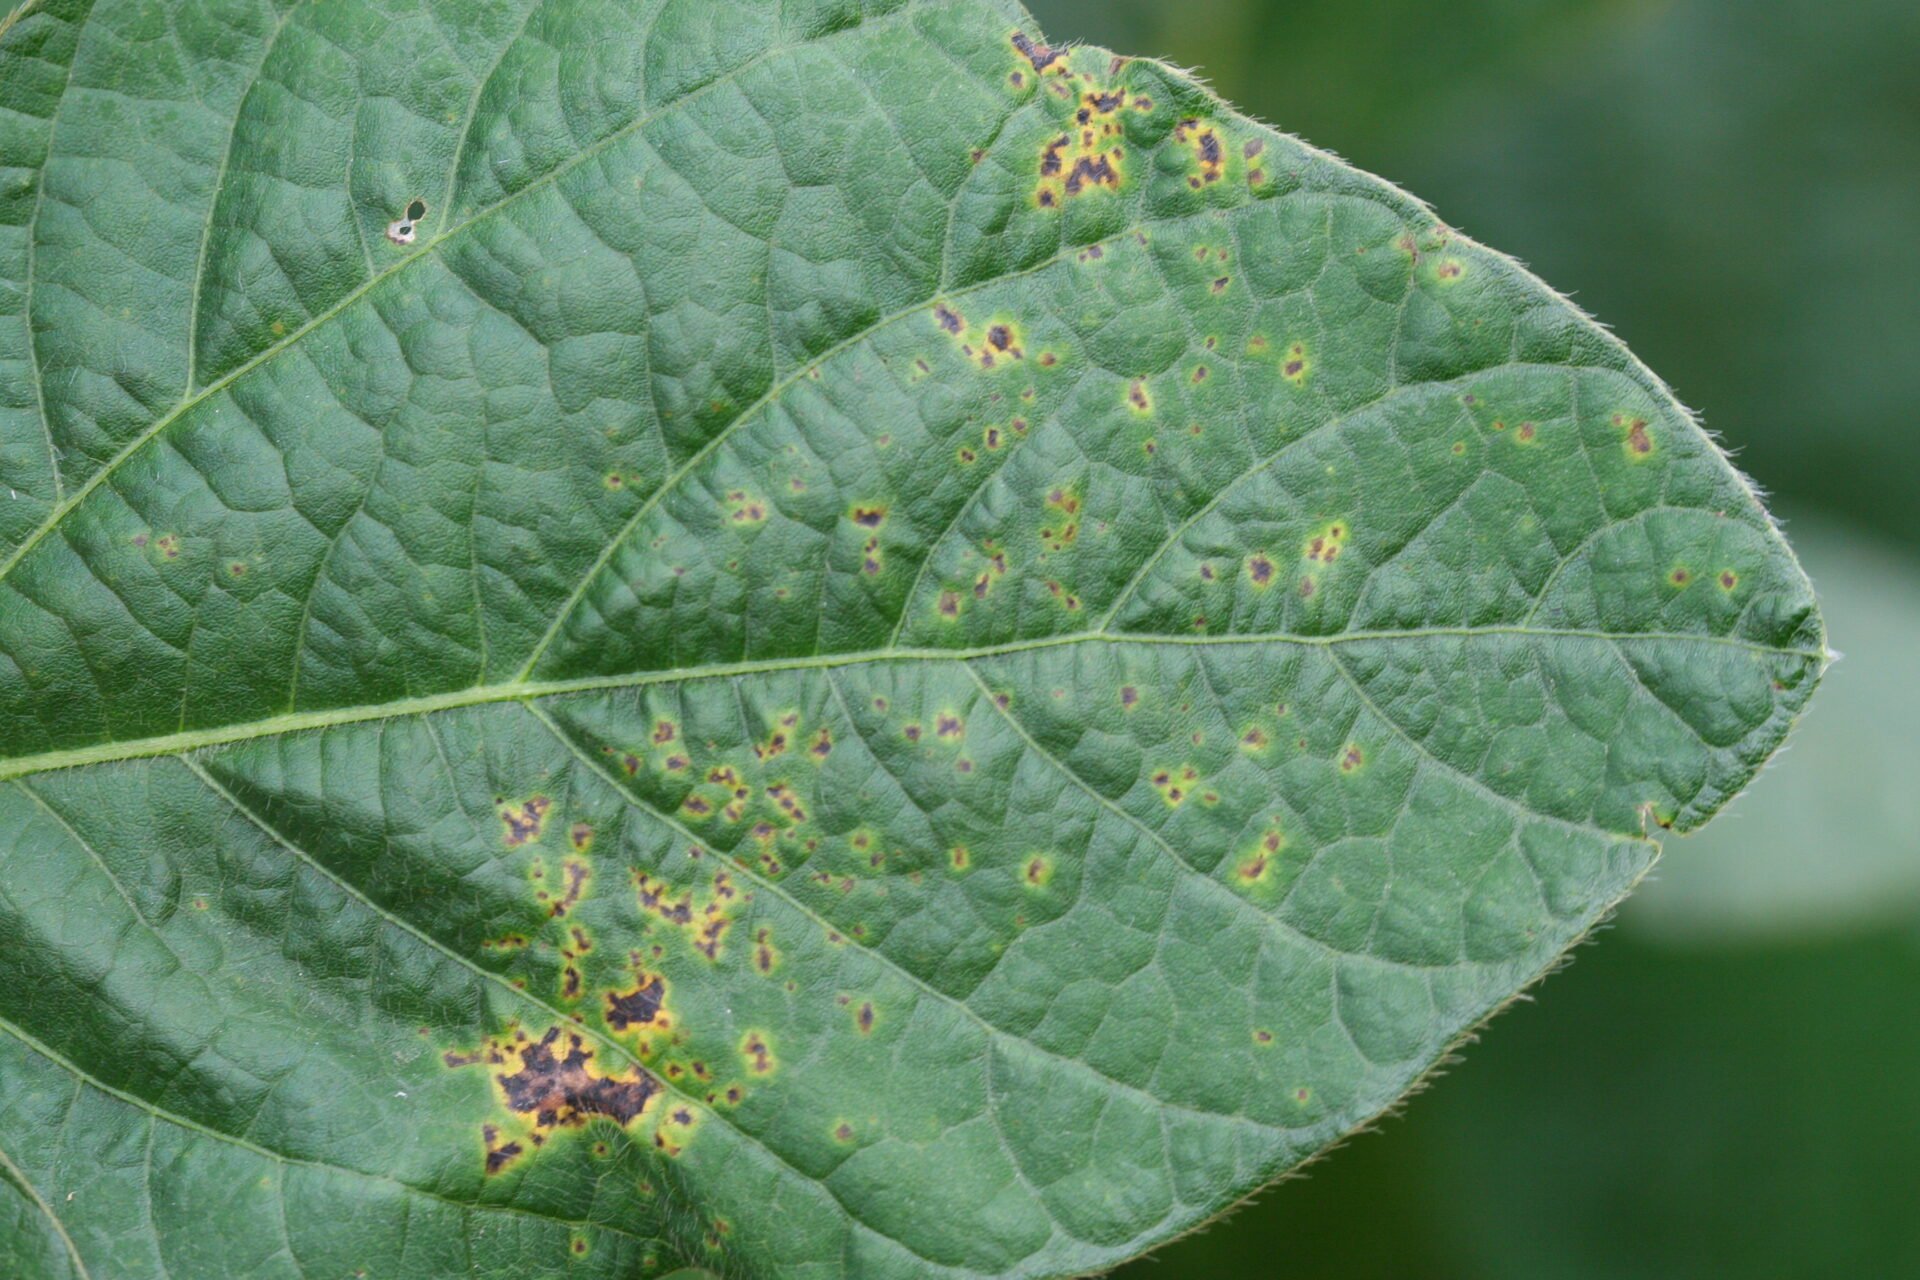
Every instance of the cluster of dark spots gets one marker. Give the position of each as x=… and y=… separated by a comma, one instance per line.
x=779, y=739
x=766, y=957
x=557, y=1085
x=1093, y=253
x=1296, y=366
x=1450, y=270
x=574, y=877
x=949, y=319
x=1175, y=785
x=1065, y=530
x=1260, y=571
x=525, y=822
x=1352, y=758
x=744, y=508
x=757, y=1051
x=1067, y=599
x=1042, y=57
x=1208, y=152
x=1325, y=548
x=1256, y=175
x=512, y=942
x=1139, y=397
x=949, y=726
x=1255, y=866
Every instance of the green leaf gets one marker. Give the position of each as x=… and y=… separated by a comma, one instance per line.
x=1833, y=844
x=872, y=648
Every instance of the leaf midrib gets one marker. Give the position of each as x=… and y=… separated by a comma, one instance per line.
x=532, y=691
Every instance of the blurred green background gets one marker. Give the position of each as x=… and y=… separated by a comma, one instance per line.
x=1728, y=1083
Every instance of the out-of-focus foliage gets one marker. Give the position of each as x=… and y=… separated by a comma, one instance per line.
x=1724, y=1087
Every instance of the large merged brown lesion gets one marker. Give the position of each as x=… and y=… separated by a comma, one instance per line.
x=553, y=1083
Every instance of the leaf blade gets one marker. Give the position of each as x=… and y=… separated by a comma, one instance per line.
x=1143, y=634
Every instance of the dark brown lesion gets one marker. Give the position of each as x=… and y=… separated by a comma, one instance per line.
x=499, y=1154
x=557, y=1085
x=525, y=822
x=643, y=1008
x=1210, y=155
x=576, y=874
x=1042, y=57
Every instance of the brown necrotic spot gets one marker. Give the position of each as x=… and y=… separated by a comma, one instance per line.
x=1260, y=571
x=523, y=823
x=1296, y=366
x=644, y=1008
x=1639, y=440
x=863, y=1017
x=556, y=1084
x=1039, y=55
x=574, y=877
x=756, y=1050
x=499, y=1154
